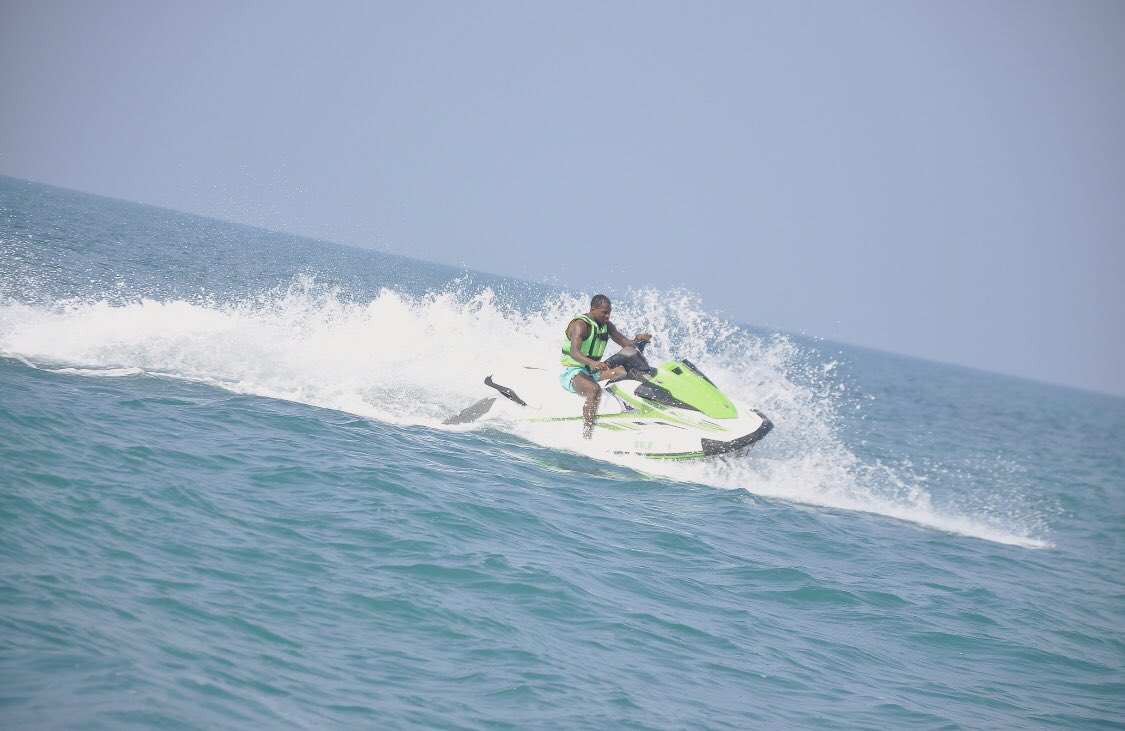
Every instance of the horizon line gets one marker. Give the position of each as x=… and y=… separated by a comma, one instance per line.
x=465, y=268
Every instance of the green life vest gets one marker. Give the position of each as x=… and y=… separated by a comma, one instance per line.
x=592, y=347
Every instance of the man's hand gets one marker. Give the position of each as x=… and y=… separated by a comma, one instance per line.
x=601, y=366
x=642, y=338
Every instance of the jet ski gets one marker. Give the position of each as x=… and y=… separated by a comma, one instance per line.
x=670, y=412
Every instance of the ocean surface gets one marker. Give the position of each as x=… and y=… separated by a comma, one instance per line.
x=227, y=501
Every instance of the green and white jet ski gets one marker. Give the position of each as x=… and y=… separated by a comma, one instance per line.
x=671, y=412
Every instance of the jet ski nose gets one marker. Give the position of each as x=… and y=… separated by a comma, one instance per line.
x=713, y=447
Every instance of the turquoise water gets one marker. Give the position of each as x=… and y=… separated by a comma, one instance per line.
x=227, y=501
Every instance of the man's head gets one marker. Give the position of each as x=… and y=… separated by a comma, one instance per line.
x=600, y=309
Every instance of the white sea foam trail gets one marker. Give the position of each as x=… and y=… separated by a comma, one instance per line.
x=416, y=359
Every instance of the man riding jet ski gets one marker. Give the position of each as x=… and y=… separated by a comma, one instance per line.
x=582, y=348
x=672, y=411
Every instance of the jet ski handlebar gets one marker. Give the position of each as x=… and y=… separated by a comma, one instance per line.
x=633, y=360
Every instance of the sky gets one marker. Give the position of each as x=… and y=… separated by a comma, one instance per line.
x=940, y=179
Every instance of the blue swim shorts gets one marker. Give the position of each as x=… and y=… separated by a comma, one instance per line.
x=569, y=374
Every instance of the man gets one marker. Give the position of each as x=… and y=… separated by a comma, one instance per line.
x=582, y=349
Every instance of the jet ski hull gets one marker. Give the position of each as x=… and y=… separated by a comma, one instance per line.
x=627, y=424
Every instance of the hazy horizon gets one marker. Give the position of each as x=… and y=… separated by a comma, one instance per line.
x=611, y=293
x=937, y=180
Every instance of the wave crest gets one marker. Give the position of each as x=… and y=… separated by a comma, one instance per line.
x=414, y=360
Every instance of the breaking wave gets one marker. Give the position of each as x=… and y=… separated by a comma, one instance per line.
x=414, y=360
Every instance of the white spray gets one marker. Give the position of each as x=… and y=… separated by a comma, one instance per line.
x=417, y=359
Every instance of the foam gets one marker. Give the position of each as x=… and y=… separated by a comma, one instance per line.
x=414, y=360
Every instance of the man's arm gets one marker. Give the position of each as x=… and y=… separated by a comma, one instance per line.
x=623, y=341
x=578, y=331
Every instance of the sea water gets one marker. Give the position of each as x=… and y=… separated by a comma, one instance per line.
x=227, y=500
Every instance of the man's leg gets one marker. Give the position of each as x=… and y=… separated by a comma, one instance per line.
x=592, y=392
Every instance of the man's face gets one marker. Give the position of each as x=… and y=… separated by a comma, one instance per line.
x=600, y=315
